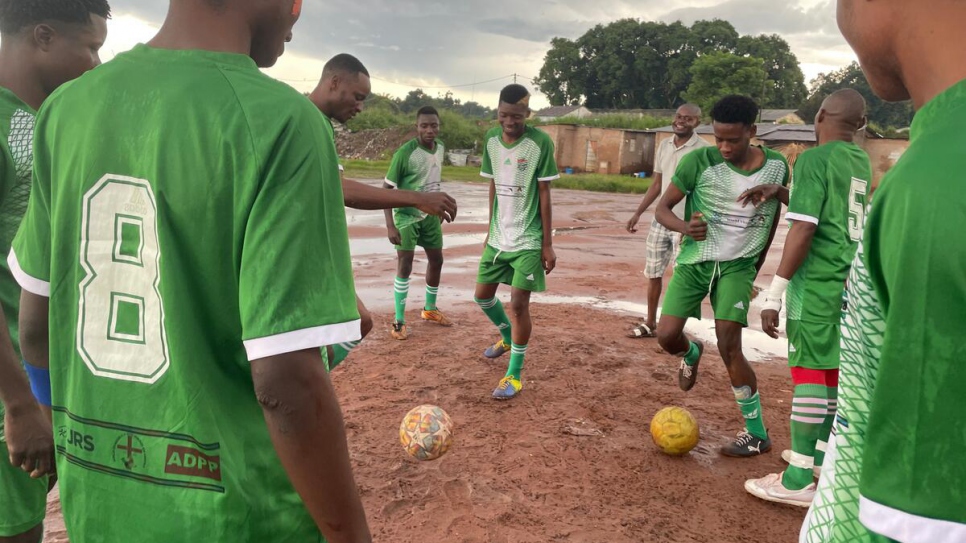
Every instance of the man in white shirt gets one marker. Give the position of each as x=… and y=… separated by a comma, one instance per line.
x=662, y=244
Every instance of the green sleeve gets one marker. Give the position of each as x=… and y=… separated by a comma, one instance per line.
x=547, y=167
x=809, y=191
x=486, y=165
x=397, y=168
x=30, y=256
x=686, y=176
x=295, y=286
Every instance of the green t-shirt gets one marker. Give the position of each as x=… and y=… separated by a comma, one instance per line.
x=712, y=185
x=917, y=427
x=186, y=217
x=416, y=168
x=515, y=170
x=16, y=163
x=900, y=419
x=829, y=190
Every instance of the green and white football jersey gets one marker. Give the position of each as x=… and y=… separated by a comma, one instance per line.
x=515, y=170
x=416, y=168
x=186, y=217
x=829, y=190
x=901, y=400
x=712, y=185
x=16, y=165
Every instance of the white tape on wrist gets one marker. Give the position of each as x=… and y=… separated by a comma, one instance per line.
x=773, y=298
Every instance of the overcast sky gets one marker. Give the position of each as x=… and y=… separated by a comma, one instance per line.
x=464, y=45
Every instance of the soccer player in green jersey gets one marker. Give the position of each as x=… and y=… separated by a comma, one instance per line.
x=417, y=166
x=519, y=161
x=45, y=44
x=827, y=201
x=184, y=256
x=341, y=95
x=725, y=245
x=896, y=467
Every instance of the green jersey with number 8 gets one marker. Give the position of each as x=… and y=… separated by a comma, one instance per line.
x=186, y=217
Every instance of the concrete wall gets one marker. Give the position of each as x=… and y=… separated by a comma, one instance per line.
x=884, y=154
x=601, y=150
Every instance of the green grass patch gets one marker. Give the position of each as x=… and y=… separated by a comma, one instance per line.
x=376, y=169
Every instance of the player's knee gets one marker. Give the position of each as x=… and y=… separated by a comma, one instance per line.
x=31, y=536
x=519, y=308
x=435, y=259
x=729, y=347
x=405, y=267
x=667, y=338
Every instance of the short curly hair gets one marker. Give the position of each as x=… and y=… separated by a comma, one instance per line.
x=16, y=15
x=735, y=109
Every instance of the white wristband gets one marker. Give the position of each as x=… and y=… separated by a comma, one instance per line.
x=773, y=298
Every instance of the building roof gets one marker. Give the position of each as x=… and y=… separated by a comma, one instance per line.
x=557, y=111
x=774, y=115
x=767, y=132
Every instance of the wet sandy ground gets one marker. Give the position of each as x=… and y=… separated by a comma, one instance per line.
x=571, y=459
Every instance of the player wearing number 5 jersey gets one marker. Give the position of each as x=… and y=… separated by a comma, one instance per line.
x=826, y=209
x=193, y=253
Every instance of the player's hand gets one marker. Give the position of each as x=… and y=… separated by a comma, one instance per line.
x=697, y=228
x=769, y=322
x=758, y=195
x=30, y=440
x=394, y=236
x=439, y=204
x=549, y=258
x=632, y=223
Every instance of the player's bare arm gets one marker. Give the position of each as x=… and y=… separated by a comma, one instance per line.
x=361, y=196
x=548, y=256
x=394, y=237
x=30, y=439
x=649, y=198
x=763, y=193
x=306, y=427
x=771, y=238
x=696, y=228
x=797, y=245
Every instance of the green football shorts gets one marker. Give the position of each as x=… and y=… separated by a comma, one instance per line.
x=23, y=501
x=813, y=345
x=427, y=233
x=519, y=269
x=729, y=284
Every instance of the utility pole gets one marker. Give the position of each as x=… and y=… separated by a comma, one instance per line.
x=514, y=78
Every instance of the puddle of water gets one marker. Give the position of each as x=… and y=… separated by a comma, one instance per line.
x=378, y=246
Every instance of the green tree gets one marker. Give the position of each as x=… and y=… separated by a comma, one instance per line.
x=718, y=74
x=642, y=64
x=887, y=115
x=788, y=82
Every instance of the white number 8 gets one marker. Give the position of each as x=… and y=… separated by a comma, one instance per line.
x=120, y=325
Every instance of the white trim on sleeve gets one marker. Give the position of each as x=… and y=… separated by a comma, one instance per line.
x=801, y=217
x=26, y=281
x=487, y=175
x=548, y=179
x=307, y=338
x=906, y=527
x=391, y=183
x=341, y=168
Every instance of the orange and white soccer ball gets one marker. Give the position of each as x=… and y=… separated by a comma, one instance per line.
x=426, y=432
x=674, y=431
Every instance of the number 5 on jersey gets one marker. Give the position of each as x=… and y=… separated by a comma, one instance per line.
x=120, y=326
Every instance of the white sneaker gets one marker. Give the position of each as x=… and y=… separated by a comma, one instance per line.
x=770, y=488
x=787, y=457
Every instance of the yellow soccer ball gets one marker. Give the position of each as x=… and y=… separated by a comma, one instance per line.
x=426, y=432
x=674, y=431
